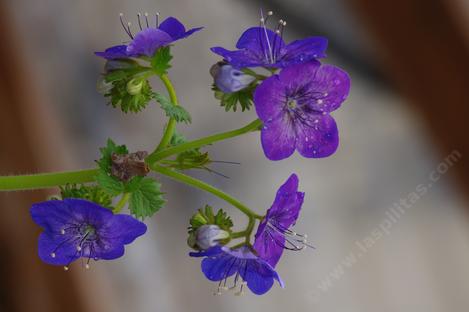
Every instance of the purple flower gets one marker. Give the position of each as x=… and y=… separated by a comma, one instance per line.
x=221, y=263
x=229, y=79
x=295, y=105
x=274, y=234
x=76, y=228
x=262, y=47
x=147, y=41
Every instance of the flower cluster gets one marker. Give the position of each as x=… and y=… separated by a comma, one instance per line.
x=293, y=94
x=254, y=265
x=294, y=104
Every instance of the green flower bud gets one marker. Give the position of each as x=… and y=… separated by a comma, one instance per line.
x=135, y=85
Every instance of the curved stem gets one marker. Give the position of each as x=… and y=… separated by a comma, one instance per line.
x=206, y=187
x=46, y=180
x=158, y=155
x=172, y=122
x=249, y=229
x=124, y=199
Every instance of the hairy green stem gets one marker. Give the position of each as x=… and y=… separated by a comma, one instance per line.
x=171, y=126
x=124, y=199
x=46, y=180
x=181, y=177
x=158, y=155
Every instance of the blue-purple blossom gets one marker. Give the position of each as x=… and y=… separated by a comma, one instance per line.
x=147, y=41
x=274, y=233
x=263, y=47
x=76, y=228
x=228, y=79
x=295, y=105
x=221, y=263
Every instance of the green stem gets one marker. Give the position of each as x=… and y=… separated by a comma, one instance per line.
x=124, y=199
x=249, y=229
x=158, y=155
x=206, y=187
x=46, y=180
x=172, y=122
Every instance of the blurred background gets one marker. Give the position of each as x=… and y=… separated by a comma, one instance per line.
x=405, y=123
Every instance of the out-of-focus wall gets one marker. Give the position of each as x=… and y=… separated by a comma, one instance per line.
x=385, y=153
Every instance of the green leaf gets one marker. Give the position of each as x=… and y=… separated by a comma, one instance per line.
x=104, y=163
x=230, y=101
x=146, y=198
x=176, y=112
x=110, y=184
x=160, y=62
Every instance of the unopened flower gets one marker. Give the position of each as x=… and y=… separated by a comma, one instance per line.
x=263, y=47
x=221, y=263
x=209, y=235
x=228, y=79
x=149, y=38
x=295, y=105
x=76, y=228
x=274, y=233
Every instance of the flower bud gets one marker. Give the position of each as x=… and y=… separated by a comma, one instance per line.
x=134, y=86
x=229, y=79
x=209, y=235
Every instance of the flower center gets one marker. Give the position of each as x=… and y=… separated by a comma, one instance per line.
x=82, y=236
x=292, y=104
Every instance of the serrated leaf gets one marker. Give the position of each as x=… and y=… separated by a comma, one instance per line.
x=176, y=112
x=146, y=198
x=160, y=62
x=110, y=184
x=104, y=163
x=92, y=193
x=230, y=101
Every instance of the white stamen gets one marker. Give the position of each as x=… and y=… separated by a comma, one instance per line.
x=146, y=14
x=270, y=13
x=52, y=254
x=62, y=231
x=262, y=20
x=78, y=248
x=66, y=268
x=87, y=266
x=121, y=14
x=284, y=23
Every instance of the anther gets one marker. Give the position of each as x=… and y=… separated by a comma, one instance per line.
x=62, y=231
x=66, y=268
x=157, y=16
x=78, y=248
x=146, y=19
x=52, y=254
x=284, y=24
x=139, y=21
x=87, y=266
x=270, y=13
